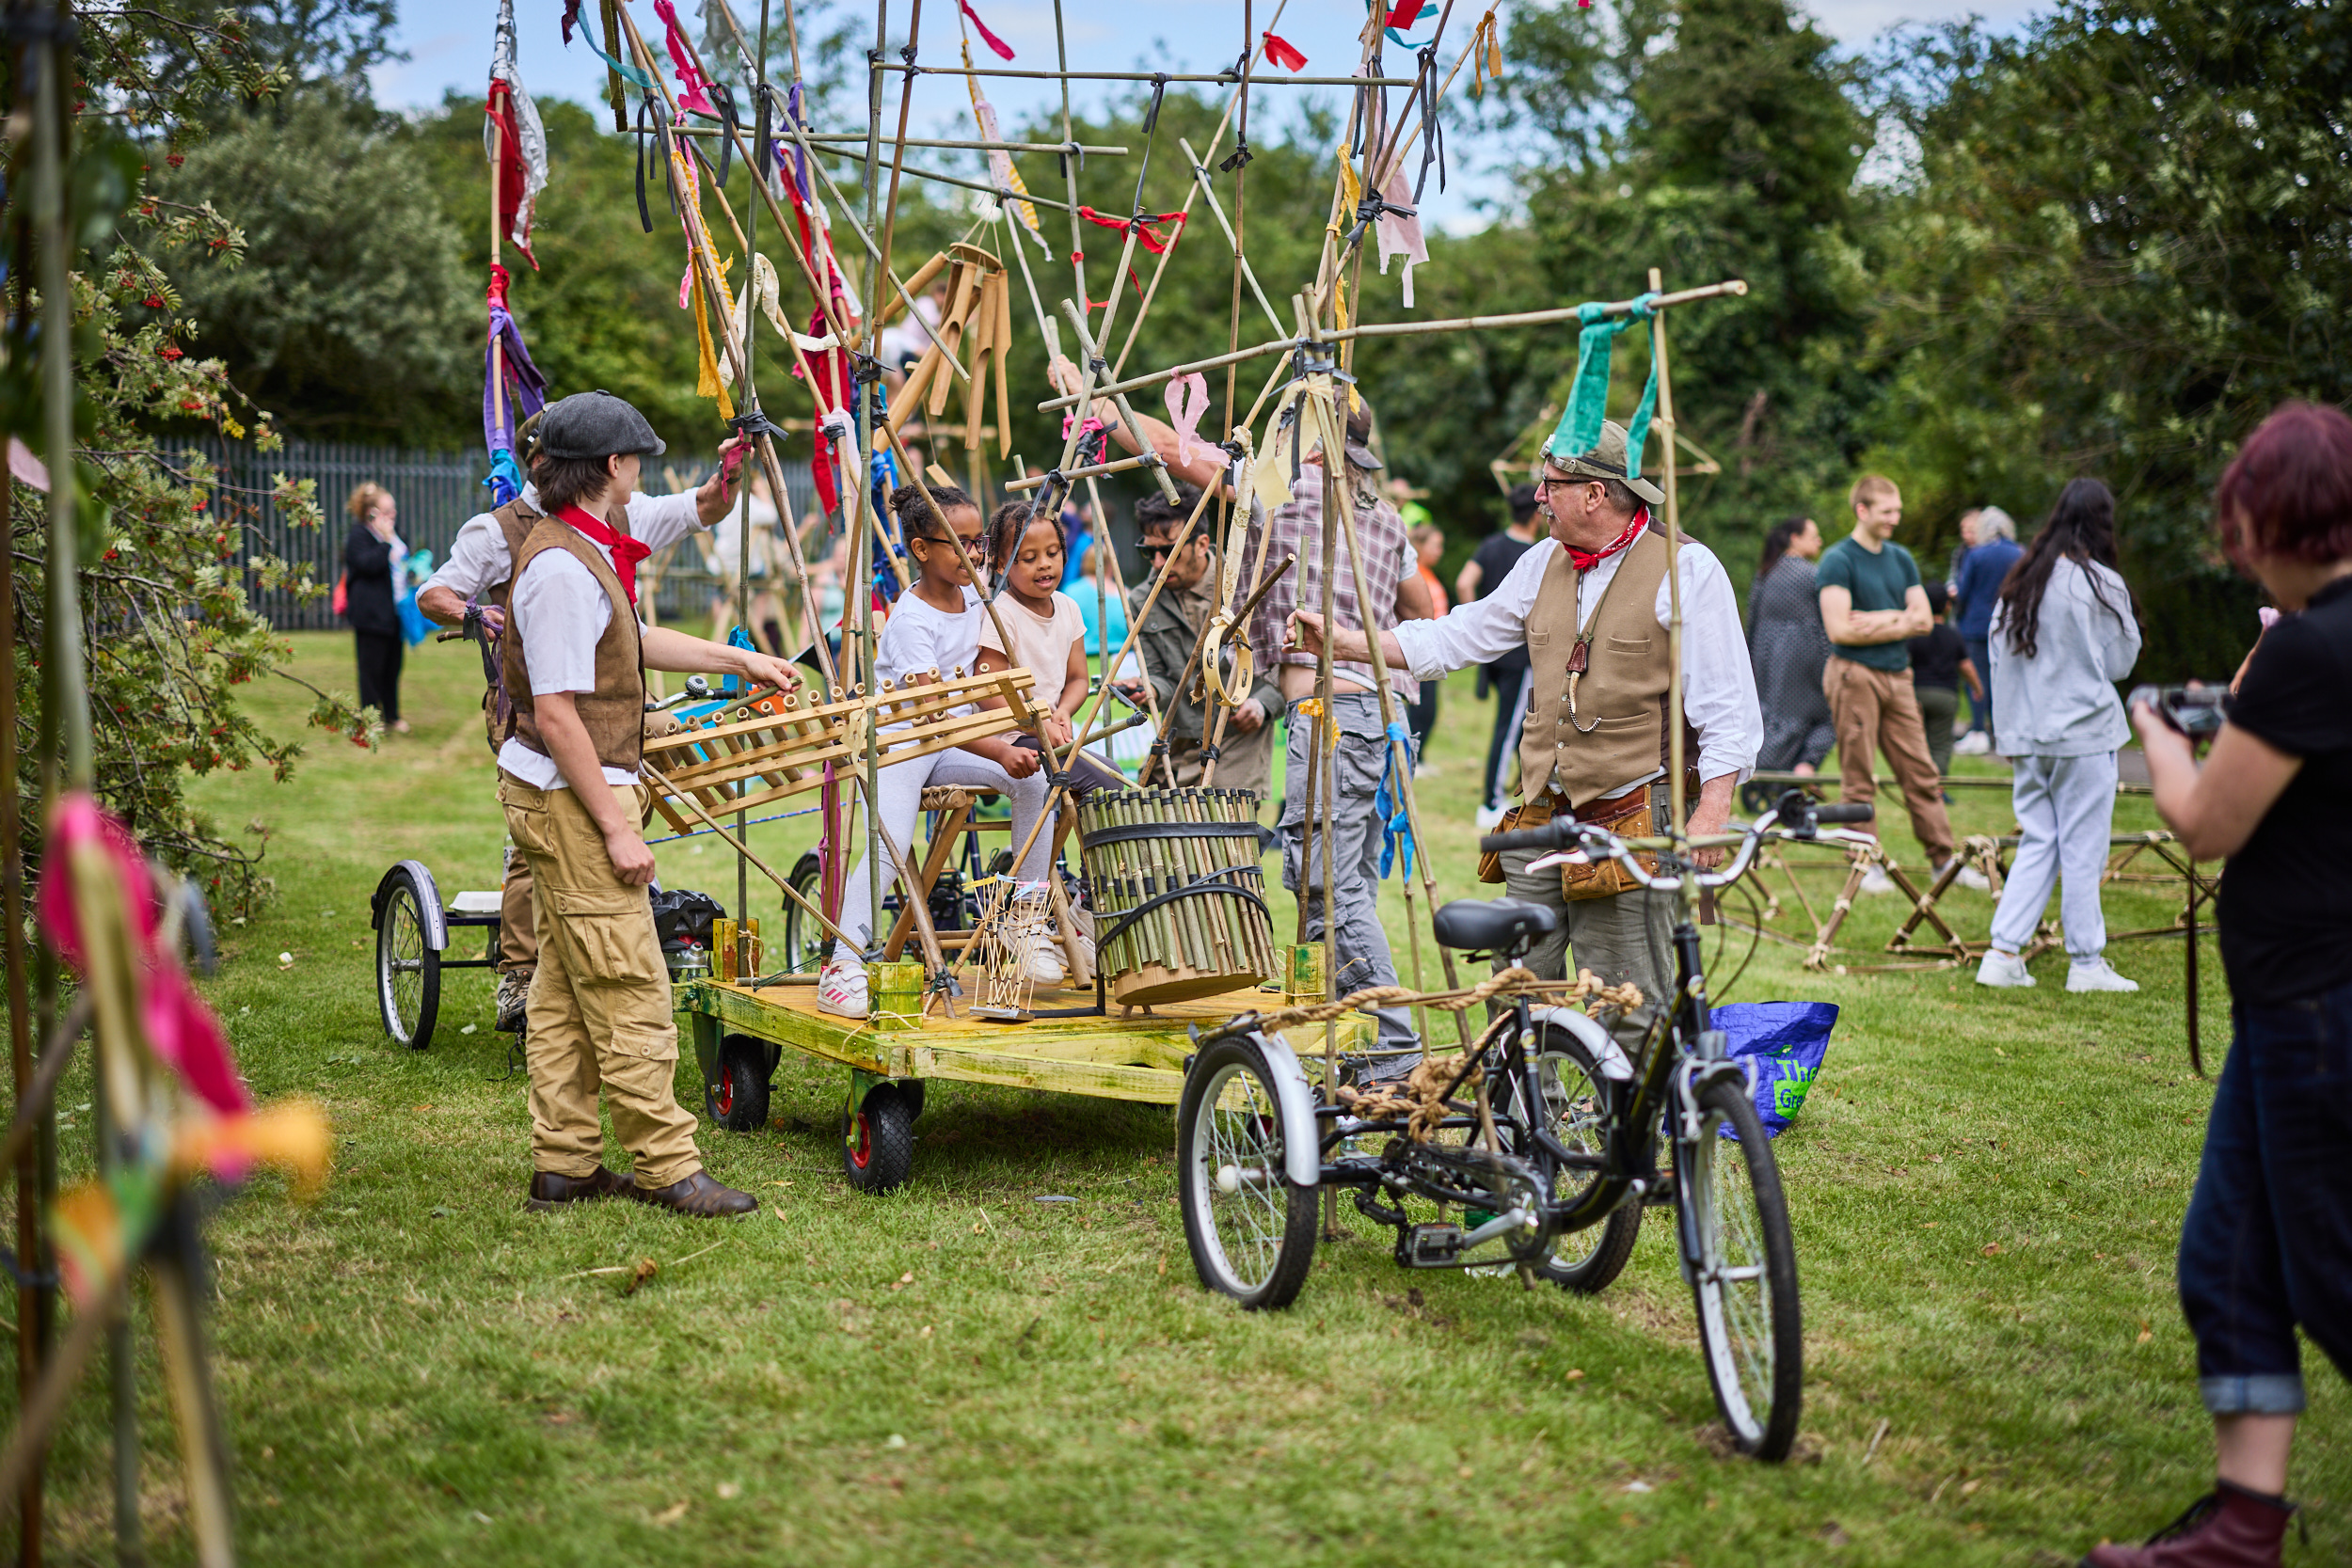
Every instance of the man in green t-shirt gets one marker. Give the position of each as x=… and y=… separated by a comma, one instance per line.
x=1871, y=604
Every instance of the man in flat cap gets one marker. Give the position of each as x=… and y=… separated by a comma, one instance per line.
x=1590, y=603
x=574, y=658
x=477, y=579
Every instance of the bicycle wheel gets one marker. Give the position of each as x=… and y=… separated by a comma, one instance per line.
x=805, y=944
x=1251, y=1232
x=407, y=970
x=1574, y=1113
x=1743, y=1276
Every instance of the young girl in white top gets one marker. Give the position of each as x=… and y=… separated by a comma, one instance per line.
x=935, y=628
x=1048, y=634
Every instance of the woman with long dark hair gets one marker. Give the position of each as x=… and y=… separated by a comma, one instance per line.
x=2268, y=1244
x=2063, y=634
x=1788, y=646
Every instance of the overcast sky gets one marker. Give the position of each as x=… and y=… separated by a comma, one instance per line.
x=448, y=44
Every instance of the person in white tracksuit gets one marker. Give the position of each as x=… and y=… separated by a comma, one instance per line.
x=2063, y=634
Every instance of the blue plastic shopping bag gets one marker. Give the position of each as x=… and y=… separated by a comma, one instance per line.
x=1782, y=1045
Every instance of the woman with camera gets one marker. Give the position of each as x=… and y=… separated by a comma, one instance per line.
x=2268, y=1244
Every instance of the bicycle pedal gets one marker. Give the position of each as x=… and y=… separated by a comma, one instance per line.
x=1429, y=1246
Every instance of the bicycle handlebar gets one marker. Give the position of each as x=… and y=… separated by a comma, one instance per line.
x=1859, y=810
x=1600, y=843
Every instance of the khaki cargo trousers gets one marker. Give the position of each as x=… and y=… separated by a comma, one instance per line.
x=599, y=1012
x=519, y=937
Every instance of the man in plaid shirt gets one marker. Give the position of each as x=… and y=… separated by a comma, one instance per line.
x=1354, y=769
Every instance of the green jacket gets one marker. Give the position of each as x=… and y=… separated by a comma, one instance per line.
x=1165, y=642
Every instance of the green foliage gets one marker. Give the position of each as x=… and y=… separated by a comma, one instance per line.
x=2129, y=238
x=350, y=314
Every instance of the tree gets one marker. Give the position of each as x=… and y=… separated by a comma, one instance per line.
x=2128, y=237
x=350, y=315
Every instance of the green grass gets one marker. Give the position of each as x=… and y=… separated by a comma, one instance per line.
x=413, y=1368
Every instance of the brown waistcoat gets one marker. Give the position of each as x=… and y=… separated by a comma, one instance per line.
x=615, y=712
x=515, y=520
x=1618, y=732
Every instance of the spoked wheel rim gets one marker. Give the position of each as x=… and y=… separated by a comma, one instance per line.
x=400, y=965
x=1732, y=1282
x=1572, y=1112
x=1237, y=1178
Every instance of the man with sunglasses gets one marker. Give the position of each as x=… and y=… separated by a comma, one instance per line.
x=1245, y=757
x=1590, y=605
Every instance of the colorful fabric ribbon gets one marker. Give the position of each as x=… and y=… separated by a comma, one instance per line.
x=1185, y=412
x=1396, y=823
x=1150, y=238
x=1579, y=429
x=626, y=552
x=1284, y=53
x=505, y=355
x=693, y=86
x=1003, y=50
x=513, y=138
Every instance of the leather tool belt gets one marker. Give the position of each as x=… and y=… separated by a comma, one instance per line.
x=1641, y=812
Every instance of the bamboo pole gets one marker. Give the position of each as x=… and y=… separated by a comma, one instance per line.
x=1665, y=422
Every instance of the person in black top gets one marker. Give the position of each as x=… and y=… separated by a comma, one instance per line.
x=1939, y=662
x=1506, y=678
x=2266, y=1247
x=372, y=560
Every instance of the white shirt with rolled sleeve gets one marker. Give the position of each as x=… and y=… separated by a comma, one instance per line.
x=478, y=559
x=1718, y=684
x=561, y=610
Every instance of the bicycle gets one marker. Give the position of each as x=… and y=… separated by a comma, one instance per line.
x=1560, y=1139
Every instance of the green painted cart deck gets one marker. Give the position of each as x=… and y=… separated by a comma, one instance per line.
x=1139, y=1057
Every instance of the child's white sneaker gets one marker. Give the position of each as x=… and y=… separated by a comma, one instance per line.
x=1035, y=943
x=1876, y=880
x=841, y=988
x=2095, y=974
x=1967, y=876
x=2003, y=968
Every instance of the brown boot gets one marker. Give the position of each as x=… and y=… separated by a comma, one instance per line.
x=698, y=1196
x=550, y=1191
x=2228, y=1528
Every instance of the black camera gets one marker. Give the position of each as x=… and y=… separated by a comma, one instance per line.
x=2196, y=711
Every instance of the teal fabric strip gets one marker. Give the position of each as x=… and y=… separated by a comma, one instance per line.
x=629, y=73
x=1579, y=430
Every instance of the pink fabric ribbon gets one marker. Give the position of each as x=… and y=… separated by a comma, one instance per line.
x=1187, y=411
x=690, y=81
x=180, y=1029
x=1003, y=50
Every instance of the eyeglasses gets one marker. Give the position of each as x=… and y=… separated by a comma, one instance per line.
x=1154, y=552
x=1545, y=483
x=975, y=544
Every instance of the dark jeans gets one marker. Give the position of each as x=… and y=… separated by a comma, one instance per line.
x=380, y=653
x=1980, y=708
x=1422, y=716
x=1504, y=741
x=2268, y=1245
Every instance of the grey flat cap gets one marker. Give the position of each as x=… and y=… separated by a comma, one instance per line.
x=595, y=424
x=1606, y=461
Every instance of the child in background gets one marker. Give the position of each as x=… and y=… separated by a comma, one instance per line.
x=1939, y=662
x=1048, y=633
x=1428, y=544
x=934, y=630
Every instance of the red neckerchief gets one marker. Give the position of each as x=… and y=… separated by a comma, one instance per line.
x=626, y=552
x=1584, y=563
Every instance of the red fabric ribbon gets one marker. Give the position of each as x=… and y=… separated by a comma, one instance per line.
x=1584, y=563
x=180, y=1029
x=1153, y=241
x=496, y=291
x=1406, y=14
x=512, y=176
x=626, y=552
x=1284, y=54
x=1003, y=50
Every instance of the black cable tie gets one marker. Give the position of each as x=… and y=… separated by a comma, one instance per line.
x=1240, y=155
x=1061, y=779
x=1208, y=753
x=1235, y=72
x=724, y=98
x=645, y=214
x=754, y=422
x=907, y=55
x=1159, y=746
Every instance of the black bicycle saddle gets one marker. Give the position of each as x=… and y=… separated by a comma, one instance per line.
x=1500, y=924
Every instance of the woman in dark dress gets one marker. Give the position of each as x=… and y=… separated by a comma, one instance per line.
x=372, y=557
x=1788, y=646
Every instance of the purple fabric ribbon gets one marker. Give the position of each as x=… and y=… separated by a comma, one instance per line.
x=526, y=389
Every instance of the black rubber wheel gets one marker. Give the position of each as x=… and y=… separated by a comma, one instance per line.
x=1251, y=1230
x=738, y=1099
x=804, y=942
x=877, y=1141
x=1744, y=1277
x=407, y=970
x=1571, y=1110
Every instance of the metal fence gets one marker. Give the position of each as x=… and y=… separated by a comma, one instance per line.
x=435, y=491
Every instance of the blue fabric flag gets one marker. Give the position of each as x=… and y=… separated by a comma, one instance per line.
x=1397, y=825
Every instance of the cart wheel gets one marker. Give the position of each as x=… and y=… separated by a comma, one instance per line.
x=738, y=1099
x=913, y=1090
x=877, y=1141
x=804, y=940
x=407, y=969
x=1252, y=1231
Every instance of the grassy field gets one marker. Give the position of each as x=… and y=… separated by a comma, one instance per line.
x=1986, y=1189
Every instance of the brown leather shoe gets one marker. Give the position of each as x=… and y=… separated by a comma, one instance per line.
x=2228, y=1528
x=698, y=1196
x=550, y=1191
